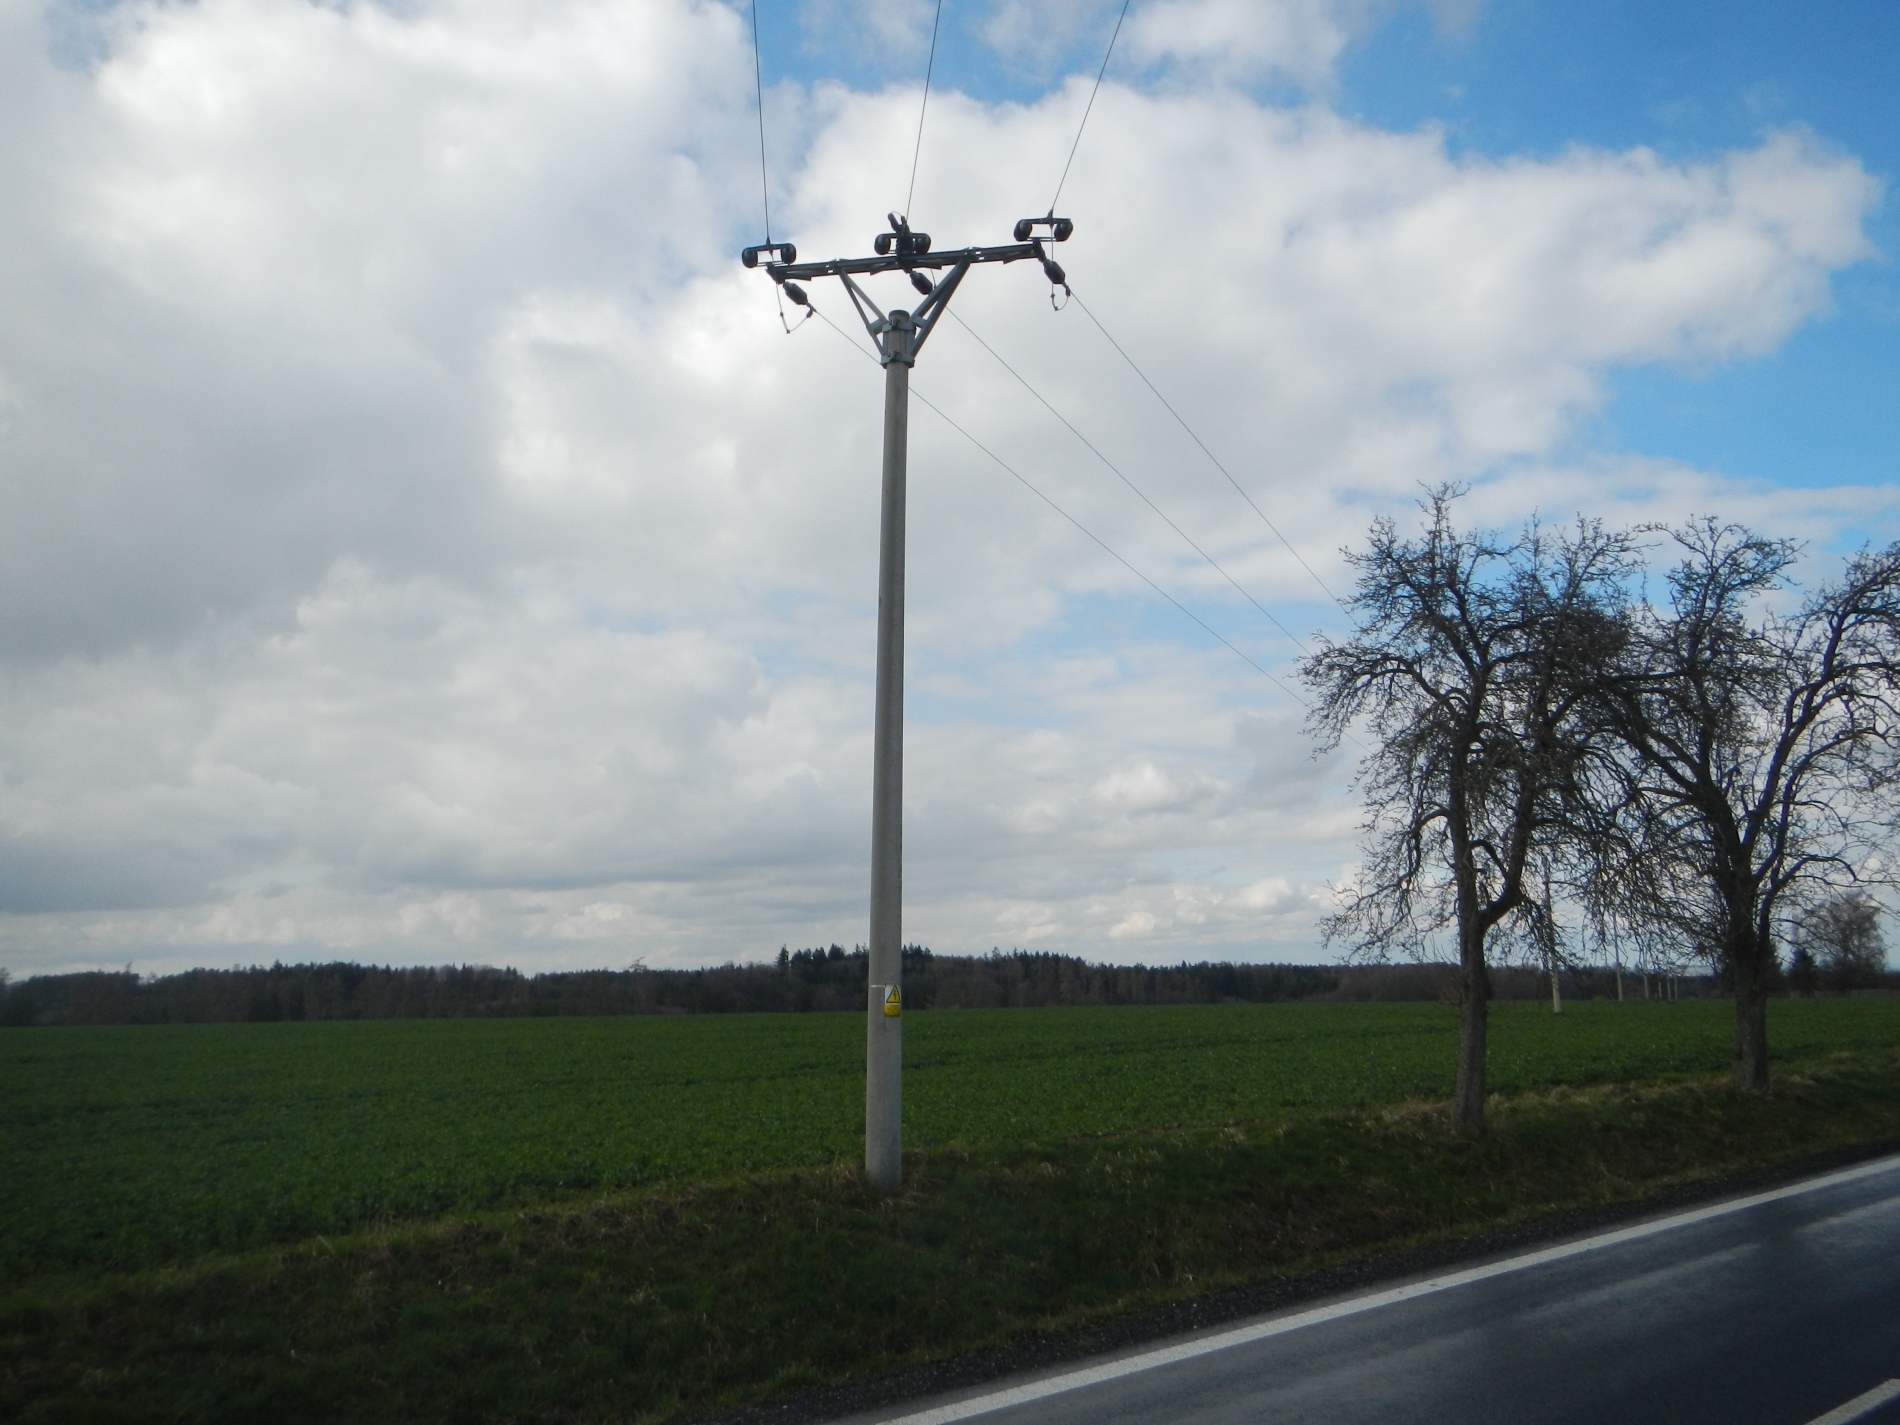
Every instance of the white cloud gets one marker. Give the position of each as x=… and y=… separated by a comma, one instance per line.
x=887, y=33
x=1297, y=40
x=1037, y=34
x=259, y=255
x=420, y=541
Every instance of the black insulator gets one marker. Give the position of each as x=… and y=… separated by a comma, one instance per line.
x=797, y=294
x=922, y=283
x=1053, y=271
x=1059, y=228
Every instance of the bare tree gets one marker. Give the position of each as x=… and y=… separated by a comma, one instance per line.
x=1842, y=939
x=1468, y=665
x=1759, y=752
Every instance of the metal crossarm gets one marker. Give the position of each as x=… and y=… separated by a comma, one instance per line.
x=859, y=266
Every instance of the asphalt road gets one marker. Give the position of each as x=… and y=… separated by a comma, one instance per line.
x=1777, y=1309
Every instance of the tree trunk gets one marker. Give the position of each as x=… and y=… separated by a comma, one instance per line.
x=1751, y=1027
x=1467, y=1104
x=1750, y=957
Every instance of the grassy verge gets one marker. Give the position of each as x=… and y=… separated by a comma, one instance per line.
x=643, y=1305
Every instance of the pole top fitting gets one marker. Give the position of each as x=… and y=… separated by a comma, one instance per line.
x=898, y=341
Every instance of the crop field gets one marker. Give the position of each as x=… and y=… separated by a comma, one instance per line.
x=129, y=1146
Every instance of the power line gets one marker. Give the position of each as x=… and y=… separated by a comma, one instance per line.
x=758, y=80
x=1089, y=109
x=917, y=148
x=1119, y=559
x=1096, y=452
x=1205, y=451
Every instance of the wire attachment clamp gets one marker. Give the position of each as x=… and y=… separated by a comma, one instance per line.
x=1059, y=231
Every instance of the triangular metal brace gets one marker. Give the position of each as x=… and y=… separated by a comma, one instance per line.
x=923, y=317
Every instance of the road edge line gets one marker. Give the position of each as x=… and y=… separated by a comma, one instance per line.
x=1067, y=1381
x=1861, y=1405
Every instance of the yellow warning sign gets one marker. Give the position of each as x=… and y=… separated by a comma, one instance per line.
x=893, y=1001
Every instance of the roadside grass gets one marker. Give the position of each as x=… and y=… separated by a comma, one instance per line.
x=681, y=1297
x=126, y=1147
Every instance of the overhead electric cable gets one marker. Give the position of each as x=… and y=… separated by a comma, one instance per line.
x=1089, y=108
x=1119, y=559
x=1205, y=451
x=758, y=80
x=1265, y=612
x=1105, y=548
x=918, y=147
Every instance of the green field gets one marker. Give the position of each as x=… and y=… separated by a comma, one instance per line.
x=127, y=1146
x=631, y=1220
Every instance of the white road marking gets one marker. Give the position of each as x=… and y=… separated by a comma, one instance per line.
x=1860, y=1406
x=1280, y=1326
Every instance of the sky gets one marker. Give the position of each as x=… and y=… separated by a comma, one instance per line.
x=422, y=542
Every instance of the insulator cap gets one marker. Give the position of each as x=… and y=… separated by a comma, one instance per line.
x=903, y=242
x=1059, y=228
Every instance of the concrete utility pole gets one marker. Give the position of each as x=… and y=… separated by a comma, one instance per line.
x=884, y=1027
x=899, y=335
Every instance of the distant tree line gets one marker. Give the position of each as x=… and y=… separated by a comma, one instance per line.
x=798, y=981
